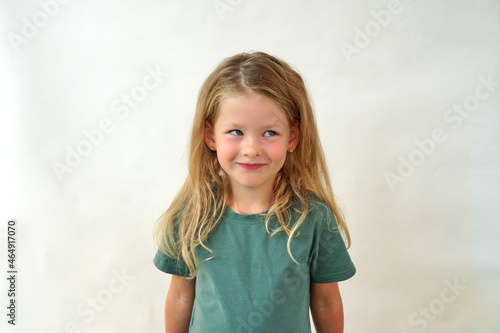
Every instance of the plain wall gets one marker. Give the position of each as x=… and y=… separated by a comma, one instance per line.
x=407, y=97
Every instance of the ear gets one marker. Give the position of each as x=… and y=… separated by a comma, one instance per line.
x=294, y=137
x=209, y=136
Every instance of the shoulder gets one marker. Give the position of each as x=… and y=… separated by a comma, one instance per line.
x=320, y=209
x=319, y=212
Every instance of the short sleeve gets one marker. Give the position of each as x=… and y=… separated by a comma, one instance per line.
x=330, y=261
x=170, y=265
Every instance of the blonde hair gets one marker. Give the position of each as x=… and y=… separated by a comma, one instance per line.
x=200, y=203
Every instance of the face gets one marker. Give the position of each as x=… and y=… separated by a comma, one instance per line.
x=252, y=137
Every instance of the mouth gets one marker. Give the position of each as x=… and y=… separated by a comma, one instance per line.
x=251, y=166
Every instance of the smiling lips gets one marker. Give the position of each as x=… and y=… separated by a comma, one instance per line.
x=251, y=166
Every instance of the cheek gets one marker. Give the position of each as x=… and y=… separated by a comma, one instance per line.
x=277, y=152
x=226, y=149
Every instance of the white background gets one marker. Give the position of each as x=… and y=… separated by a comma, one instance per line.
x=423, y=208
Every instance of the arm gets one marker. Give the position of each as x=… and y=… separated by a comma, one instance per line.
x=179, y=304
x=326, y=308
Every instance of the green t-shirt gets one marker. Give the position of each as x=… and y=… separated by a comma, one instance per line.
x=251, y=284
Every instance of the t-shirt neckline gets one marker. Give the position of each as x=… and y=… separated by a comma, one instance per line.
x=245, y=218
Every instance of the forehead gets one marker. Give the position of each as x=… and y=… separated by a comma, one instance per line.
x=250, y=110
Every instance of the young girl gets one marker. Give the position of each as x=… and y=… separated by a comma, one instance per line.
x=253, y=238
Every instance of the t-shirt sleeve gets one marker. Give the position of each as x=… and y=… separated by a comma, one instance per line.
x=330, y=261
x=170, y=265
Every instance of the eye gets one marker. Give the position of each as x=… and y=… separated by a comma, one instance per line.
x=236, y=132
x=270, y=133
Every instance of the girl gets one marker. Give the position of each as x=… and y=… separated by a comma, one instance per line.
x=252, y=239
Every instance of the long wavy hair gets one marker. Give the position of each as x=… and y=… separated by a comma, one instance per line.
x=200, y=203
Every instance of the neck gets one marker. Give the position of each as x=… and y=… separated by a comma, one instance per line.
x=249, y=202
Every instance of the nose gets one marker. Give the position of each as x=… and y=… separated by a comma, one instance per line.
x=251, y=146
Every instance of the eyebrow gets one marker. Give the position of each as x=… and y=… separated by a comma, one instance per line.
x=236, y=125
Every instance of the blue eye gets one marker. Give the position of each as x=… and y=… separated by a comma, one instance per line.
x=236, y=132
x=270, y=133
